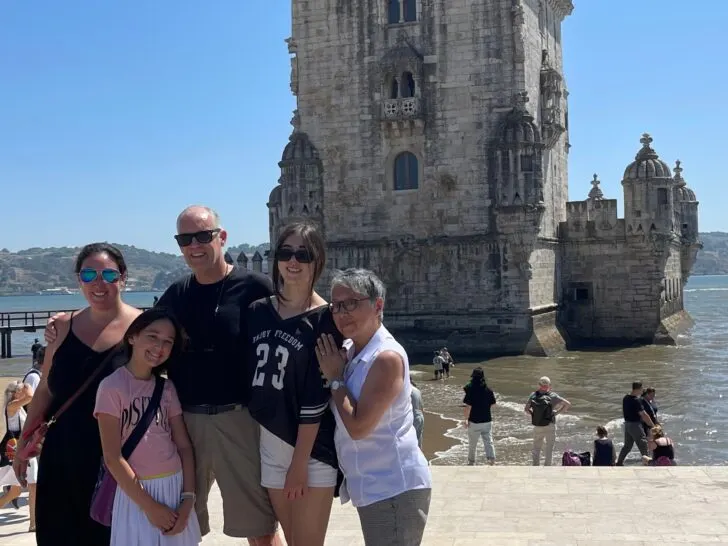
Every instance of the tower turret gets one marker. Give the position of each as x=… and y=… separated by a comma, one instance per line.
x=648, y=193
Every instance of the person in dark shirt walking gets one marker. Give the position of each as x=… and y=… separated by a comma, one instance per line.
x=289, y=395
x=604, y=452
x=479, y=399
x=212, y=381
x=634, y=415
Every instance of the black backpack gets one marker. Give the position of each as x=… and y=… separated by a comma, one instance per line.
x=543, y=409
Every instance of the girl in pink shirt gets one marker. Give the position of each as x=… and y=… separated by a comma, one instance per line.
x=154, y=499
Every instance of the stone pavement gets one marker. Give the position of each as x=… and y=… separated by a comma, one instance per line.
x=509, y=505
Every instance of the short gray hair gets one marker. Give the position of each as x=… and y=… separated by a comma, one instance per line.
x=361, y=281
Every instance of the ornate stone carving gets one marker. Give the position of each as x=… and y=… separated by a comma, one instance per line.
x=519, y=25
x=401, y=109
x=293, y=50
x=552, y=119
x=595, y=194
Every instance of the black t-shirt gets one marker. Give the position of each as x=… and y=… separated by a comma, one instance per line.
x=631, y=408
x=288, y=388
x=480, y=400
x=213, y=368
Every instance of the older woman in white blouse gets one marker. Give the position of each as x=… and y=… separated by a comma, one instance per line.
x=386, y=475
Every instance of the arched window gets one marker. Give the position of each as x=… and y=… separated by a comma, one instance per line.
x=394, y=89
x=408, y=85
x=410, y=10
x=393, y=12
x=406, y=171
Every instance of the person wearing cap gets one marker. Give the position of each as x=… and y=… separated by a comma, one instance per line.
x=543, y=406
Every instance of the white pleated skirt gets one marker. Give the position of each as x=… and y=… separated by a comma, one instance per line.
x=130, y=526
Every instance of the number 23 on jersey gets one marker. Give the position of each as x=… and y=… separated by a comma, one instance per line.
x=280, y=355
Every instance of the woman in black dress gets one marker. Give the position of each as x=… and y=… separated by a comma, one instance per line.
x=83, y=341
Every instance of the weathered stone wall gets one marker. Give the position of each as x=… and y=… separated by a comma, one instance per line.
x=611, y=290
x=671, y=300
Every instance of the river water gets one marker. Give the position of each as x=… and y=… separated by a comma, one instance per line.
x=691, y=381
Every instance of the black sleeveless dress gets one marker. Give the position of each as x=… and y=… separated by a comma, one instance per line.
x=69, y=461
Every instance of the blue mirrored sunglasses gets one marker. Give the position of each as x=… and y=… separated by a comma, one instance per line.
x=109, y=276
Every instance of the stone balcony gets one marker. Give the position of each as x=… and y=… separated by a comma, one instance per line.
x=403, y=114
x=522, y=505
x=400, y=109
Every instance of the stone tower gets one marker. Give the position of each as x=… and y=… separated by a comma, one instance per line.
x=431, y=142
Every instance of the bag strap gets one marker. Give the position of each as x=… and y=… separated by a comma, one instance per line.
x=90, y=379
x=141, y=428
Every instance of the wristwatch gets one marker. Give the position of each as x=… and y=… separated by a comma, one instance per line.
x=337, y=384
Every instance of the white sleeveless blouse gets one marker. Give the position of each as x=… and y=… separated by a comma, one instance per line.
x=388, y=461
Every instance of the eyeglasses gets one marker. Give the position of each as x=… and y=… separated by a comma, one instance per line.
x=346, y=305
x=302, y=255
x=110, y=276
x=203, y=237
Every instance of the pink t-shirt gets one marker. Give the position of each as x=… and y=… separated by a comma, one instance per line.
x=124, y=396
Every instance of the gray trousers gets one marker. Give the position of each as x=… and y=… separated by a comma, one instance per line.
x=633, y=434
x=399, y=521
x=540, y=435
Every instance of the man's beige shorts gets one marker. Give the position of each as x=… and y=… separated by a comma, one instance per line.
x=227, y=450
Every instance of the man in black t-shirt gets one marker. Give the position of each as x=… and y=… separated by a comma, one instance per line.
x=212, y=380
x=634, y=415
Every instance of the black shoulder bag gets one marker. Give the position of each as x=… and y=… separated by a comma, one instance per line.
x=102, y=501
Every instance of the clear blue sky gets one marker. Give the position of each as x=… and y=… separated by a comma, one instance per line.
x=116, y=115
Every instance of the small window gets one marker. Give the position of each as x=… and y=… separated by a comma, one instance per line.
x=394, y=89
x=581, y=294
x=662, y=196
x=527, y=163
x=406, y=171
x=410, y=10
x=393, y=12
x=408, y=85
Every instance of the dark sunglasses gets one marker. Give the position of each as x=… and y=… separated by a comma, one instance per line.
x=302, y=255
x=346, y=305
x=109, y=276
x=202, y=237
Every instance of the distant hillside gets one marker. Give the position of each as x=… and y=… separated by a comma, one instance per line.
x=36, y=269
x=713, y=259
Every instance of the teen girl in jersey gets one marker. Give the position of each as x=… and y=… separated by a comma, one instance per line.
x=154, y=500
x=289, y=395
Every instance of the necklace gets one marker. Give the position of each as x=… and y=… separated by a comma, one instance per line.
x=220, y=292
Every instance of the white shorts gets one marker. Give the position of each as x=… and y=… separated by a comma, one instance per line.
x=275, y=459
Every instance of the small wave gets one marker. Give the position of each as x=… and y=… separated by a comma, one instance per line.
x=512, y=441
x=706, y=290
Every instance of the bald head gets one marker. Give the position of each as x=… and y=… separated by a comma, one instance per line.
x=199, y=214
x=203, y=246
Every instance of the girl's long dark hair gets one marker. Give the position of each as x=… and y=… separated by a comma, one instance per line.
x=314, y=243
x=477, y=379
x=143, y=321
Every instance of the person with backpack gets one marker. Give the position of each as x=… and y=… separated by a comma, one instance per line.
x=543, y=406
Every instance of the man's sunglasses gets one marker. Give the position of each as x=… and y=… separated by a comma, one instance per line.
x=110, y=276
x=302, y=255
x=202, y=237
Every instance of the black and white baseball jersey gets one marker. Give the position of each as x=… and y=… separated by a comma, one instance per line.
x=287, y=386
